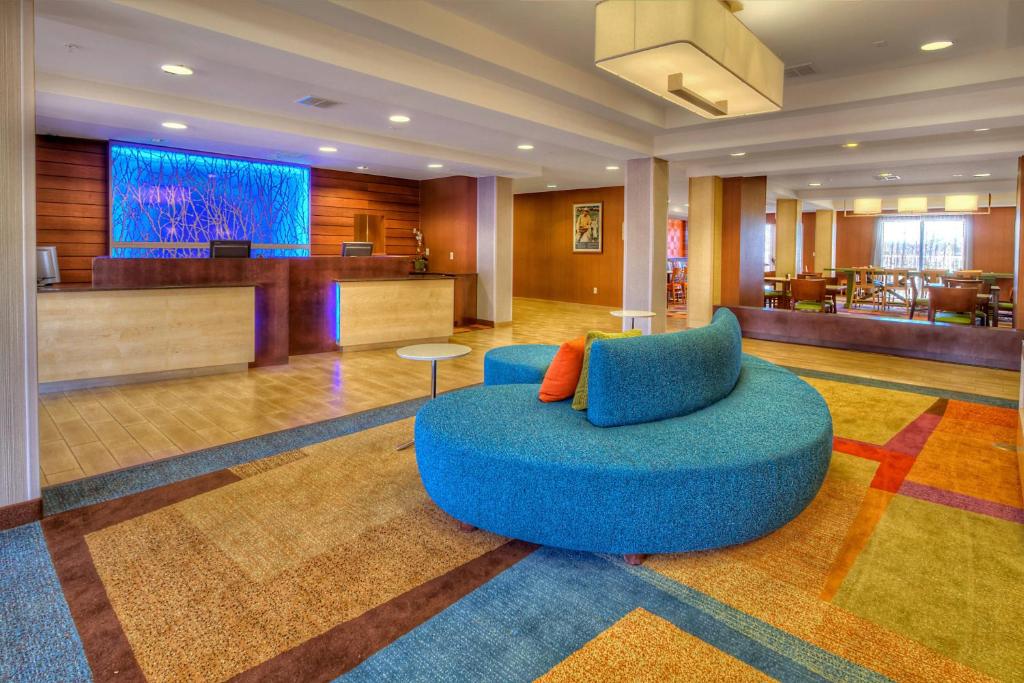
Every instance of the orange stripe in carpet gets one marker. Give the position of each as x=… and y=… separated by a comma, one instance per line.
x=875, y=502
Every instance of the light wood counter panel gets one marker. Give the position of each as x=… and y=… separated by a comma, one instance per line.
x=101, y=334
x=378, y=313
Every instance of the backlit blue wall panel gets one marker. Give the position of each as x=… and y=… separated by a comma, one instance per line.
x=171, y=203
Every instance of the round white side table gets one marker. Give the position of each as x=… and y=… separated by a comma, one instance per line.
x=633, y=315
x=433, y=353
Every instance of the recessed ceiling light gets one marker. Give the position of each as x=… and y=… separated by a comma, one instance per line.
x=958, y=175
x=738, y=154
x=687, y=205
x=676, y=209
x=814, y=184
x=981, y=130
x=177, y=69
x=611, y=168
x=362, y=168
x=174, y=125
x=435, y=165
x=525, y=146
x=851, y=145
x=399, y=118
x=982, y=175
x=328, y=148
x=552, y=186
x=937, y=45
x=884, y=174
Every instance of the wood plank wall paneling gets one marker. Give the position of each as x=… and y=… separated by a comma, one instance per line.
x=72, y=205
x=72, y=202
x=448, y=222
x=545, y=266
x=337, y=196
x=807, y=219
x=992, y=240
x=743, y=219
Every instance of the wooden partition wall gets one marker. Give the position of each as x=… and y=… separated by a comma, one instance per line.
x=743, y=217
x=545, y=266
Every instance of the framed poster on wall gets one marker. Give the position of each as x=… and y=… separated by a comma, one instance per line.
x=587, y=228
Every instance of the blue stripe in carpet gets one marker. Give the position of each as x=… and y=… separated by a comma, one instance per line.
x=538, y=612
x=912, y=388
x=38, y=639
x=112, y=485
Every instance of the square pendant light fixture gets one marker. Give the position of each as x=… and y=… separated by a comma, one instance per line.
x=867, y=206
x=961, y=203
x=693, y=53
x=911, y=205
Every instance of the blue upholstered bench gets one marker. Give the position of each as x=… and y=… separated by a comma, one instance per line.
x=695, y=459
x=518, y=364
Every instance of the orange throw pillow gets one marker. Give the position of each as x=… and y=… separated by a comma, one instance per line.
x=564, y=372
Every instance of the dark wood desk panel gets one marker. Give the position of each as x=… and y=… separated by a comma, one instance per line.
x=269, y=275
x=311, y=296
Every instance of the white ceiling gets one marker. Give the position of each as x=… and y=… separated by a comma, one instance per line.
x=478, y=78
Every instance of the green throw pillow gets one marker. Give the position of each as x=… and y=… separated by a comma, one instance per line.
x=579, y=401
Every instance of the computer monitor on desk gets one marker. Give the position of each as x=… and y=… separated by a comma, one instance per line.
x=47, y=270
x=230, y=248
x=357, y=249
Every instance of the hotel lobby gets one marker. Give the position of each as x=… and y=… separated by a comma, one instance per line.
x=512, y=340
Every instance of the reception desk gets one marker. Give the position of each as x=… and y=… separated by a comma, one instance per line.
x=296, y=299
x=394, y=311
x=104, y=335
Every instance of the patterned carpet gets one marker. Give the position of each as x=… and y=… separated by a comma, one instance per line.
x=314, y=554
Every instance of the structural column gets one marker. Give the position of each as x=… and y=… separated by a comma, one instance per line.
x=1018, y=261
x=743, y=210
x=644, y=235
x=788, y=240
x=704, y=250
x=824, y=240
x=494, y=249
x=19, y=450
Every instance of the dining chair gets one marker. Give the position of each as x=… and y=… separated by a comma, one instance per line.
x=864, y=289
x=968, y=274
x=986, y=308
x=674, y=287
x=809, y=276
x=953, y=305
x=809, y=295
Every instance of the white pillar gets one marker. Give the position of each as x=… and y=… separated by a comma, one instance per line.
x=824, y=240
x=494, y=249
x=644, y=235
x=704, y=251
x=787, y=240
x=19, y=424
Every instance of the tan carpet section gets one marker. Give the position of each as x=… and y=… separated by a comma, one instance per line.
x=643, y=647
x=255, y=467
x=869, y=414
x=196, y=589
x=269, y=523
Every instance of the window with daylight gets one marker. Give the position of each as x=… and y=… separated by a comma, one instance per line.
x=924, y=242
x=170, y=203
x=769, y=247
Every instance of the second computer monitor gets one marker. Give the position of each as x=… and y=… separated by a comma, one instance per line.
x=357, y=249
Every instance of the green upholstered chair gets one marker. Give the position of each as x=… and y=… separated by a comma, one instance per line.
x=809, y=295
x=952, y=305
x=985, y=308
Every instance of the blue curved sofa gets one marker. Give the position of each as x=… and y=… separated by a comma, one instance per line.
x=686, y=444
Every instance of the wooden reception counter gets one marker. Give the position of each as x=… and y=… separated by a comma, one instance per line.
x=392, y=311
x=296, y=299
x=105, y=335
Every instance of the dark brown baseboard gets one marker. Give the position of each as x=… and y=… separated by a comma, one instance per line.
x=21, y=513
x=981, y=346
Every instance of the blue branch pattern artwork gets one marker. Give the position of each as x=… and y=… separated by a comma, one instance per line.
x=178, y=201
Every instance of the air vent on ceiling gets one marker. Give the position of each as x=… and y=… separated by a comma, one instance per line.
x=887, y=177
x=798, y=70
x=318, y=102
